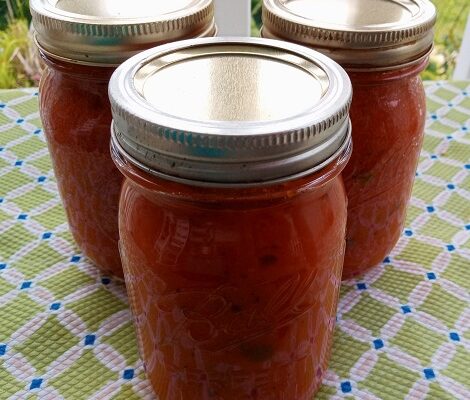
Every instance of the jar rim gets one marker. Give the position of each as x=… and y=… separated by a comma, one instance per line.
x=343, y=152
x=183, y=190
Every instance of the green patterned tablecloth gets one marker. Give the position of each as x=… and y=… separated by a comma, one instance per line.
x=403, y=330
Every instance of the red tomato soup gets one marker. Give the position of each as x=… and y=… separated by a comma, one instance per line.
x=383, y=51
x=74, y=40
x=75, y=114
x=380, y=176
x=233, y=214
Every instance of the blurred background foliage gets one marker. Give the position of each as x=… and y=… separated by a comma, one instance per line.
x=11, y=10
x=20, y=63
x=451, y=20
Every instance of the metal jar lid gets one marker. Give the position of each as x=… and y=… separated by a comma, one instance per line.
x=230, y=111
x=110, y=31
x=377, y=33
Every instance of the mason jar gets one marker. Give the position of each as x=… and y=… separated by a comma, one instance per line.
x=82, y=42
x=383, y=45
x=233, y=213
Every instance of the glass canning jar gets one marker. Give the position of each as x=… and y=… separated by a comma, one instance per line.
x=232, y=214
x=383, y=45
x=82, y=42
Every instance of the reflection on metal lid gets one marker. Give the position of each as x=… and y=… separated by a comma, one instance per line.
x=232, y=83
x=353, y=14
x=120, y=9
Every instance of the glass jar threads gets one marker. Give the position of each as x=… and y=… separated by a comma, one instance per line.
x=383, y=45
x=232, y=214
x=82, y=42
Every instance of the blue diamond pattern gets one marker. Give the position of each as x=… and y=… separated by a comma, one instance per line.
x=406, y=309
x=90, y=340
x=429, y=373
x=431, y=276
x=128, y=374
x=26, y=285
x=361, y=286
x=346, y=387
x=35, y=384
x=378, y=344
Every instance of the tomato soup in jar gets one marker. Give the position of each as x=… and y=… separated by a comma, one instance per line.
x=383, y=45
x=233, y=214
x=82, y=42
